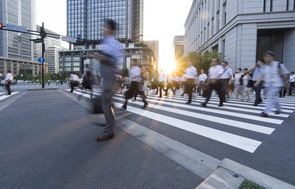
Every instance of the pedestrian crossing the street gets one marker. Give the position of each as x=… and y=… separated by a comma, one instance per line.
x=4, y=96
x=242, y=116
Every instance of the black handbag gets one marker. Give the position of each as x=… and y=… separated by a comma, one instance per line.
x=97, y=105
x=205, y=91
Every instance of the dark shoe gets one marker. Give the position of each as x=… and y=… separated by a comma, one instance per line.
x=165, y=94
x=160, y=96
x=204, y=104
x=182, y=94
x=70, y=92
x=105, y=137
x=144, y=106
x=280, y=96
x=220, y=105
x=255, y=104
x=188, y=102
x=124, y=107
x=263, y=114
x=278, y=112
x=100, y=124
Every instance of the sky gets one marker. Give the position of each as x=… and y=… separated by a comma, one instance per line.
x=163, y=19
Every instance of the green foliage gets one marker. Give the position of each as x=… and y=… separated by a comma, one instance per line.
x=58, y=76
x=202, y=61
x=25, y=75
x=47, y=77
x=142, y=44
x=125, y=71
x=30, y=77
x=247, y=184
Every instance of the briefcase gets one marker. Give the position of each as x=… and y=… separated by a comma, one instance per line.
x=205, y=92
x=97, y=105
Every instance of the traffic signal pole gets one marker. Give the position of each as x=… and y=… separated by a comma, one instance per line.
x=43, y=35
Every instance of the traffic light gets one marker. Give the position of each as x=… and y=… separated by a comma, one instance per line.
x=1, y=26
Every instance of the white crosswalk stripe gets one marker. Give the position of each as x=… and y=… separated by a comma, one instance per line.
x=5, y=96
x=235, y=114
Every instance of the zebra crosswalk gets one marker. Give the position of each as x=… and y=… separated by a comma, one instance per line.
x=242, y=116
x=3, y=95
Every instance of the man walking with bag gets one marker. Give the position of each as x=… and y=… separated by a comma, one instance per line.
x=225, y=78
x=8, y=79
x=108, y=61
x=275, y=77
x=191, y=74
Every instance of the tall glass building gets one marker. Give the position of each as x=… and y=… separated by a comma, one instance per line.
x=85, y=18
x=12, y=44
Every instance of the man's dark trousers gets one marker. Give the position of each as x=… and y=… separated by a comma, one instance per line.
x=8, y=87
x=258, y=99
x=292, y=85
x=224, y=83
x=190, y=86
x=217, y=87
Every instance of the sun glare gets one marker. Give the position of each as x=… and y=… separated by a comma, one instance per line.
x=168, y=68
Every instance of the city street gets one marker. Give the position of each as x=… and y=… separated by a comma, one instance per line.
x=48, y=140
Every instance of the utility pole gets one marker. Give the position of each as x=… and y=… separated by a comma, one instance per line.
x=43, y=35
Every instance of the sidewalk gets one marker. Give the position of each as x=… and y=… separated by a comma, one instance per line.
x=48, y=141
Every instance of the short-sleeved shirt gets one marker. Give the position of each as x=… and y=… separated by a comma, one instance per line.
x=162, y=77
x=176, y=78
x=257, y=73
x=191, y=72
x=226, y=73
x=238, y=77
x=8, y=76
x=273, y=74
x=215, y=71
x=292, y=78
x=135, y=70
x=202, y=77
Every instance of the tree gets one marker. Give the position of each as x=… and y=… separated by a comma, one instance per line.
x=30, y=77
x=58, y=76
x=125, y=71
x=47, y=76
x=142, y=44
x=39, y=76
x=25, y=75
x=202, y=61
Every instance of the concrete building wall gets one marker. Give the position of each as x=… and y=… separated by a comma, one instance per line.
x=289, y=47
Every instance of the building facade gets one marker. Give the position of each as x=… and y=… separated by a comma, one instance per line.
x=154, y=45
x=242, y=30
x=76, y=60
x=178, y=48
x=86, y=18
x=13, y=44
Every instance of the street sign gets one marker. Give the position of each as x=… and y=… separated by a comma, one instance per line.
x=68, y=39
x=16, y=28
x=41, y=60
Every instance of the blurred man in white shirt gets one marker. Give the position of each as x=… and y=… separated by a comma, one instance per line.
x=8, y=79
x=191, y=74
x=291, y=81
x=215, y=73
x=226, y=78
x=202, y=81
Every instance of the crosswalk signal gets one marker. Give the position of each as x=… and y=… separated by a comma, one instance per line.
x=1, y=26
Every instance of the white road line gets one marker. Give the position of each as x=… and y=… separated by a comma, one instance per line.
x=7, y=96
x=181, y=100
x=243, y=143
x=240, y=142
x=233, y=123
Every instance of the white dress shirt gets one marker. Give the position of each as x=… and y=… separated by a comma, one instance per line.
x=272, y=74
x=170, y=79
x=191, y=72
x=8, y=76
x=162, y=77
x=176, y=78
x=227, y=73
x=238, y=77
x=292, y=78
x=135, y=70
x=215, y=71
x=184, y=77
x=202, y=77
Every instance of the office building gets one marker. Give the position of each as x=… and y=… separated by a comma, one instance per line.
x=154, y=45
x=76, y=60
x=85, y=18
x=17, y=52
x=178, y=48
x=13, y=44
x=242, y=30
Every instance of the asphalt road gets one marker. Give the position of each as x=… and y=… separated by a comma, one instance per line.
x=60, y=138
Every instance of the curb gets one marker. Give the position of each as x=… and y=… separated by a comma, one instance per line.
x=230, y=175
x=41, y=89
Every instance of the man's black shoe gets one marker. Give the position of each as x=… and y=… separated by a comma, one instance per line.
x=144, y=106
x=263, y=114
x=188, y=102
x=204, y=104
x=124, y=107
x=255, y=104
x=220, y=105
